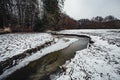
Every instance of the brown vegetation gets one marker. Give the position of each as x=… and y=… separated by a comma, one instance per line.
x=109, y=22
x=68, y=23
x=5, y=30
x=100, y=25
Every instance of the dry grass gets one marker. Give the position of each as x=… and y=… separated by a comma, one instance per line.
x=7, y=29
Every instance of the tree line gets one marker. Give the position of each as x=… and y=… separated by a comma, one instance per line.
x=30, y=15
x=100, y=19
x=98, y=22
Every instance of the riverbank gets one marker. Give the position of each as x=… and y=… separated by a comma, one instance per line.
x=100, y=61
x=59, y=44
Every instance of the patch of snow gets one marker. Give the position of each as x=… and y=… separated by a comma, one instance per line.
x=101, y=61
x=14, y=44
x=60, y=44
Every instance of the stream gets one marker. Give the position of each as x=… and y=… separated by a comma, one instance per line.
x=41, y=69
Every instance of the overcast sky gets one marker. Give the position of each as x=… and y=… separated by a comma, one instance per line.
x=78, y=9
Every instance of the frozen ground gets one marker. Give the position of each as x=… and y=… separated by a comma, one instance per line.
x=14, y=44
x=100, y=61
x=38, y=39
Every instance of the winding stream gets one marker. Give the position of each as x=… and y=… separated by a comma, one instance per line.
x=41, y=69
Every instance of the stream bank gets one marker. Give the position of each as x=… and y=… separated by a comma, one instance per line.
x=48, y=64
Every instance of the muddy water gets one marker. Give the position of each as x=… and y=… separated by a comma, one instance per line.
x=40, y=69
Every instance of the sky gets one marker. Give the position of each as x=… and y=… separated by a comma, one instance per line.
x=79, y=9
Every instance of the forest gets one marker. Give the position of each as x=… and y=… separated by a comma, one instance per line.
x=98, y=22
x=42, y=15
x=30, y=15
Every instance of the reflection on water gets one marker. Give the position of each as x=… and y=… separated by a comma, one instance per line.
x=39, y=69
x=78, y=45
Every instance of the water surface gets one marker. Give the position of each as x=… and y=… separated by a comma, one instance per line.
x=41, y=69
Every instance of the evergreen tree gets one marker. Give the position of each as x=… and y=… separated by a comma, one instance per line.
x=52, y=13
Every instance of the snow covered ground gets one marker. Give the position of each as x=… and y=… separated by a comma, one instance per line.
x=14, y=44
x=59, y=44
x=100, y=61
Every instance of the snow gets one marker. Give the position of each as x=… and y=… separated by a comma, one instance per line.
x=14, y=44
x=100, y=61
x=60, y=44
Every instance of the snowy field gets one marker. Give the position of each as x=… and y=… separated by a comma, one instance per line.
x=32, y=40
x=14, y=44
x=100, y=61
